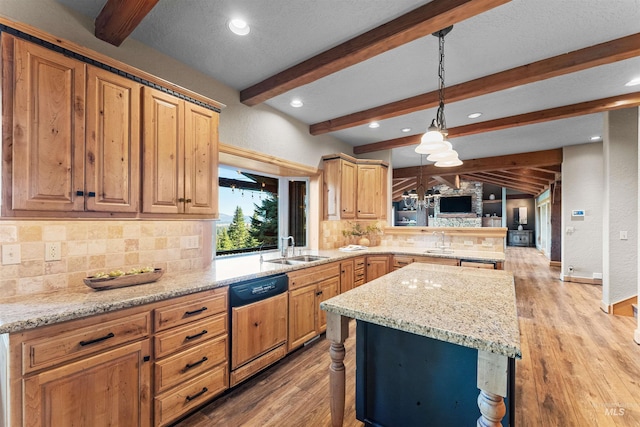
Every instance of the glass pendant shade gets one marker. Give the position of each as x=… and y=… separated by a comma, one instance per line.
x=443, y=156
x=432, y=147
x=448, y=163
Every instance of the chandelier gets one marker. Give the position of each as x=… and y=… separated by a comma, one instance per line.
x=434, y=142
x=418, y=198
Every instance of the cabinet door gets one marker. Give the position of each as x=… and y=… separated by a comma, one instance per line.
x=384, y=204
x=48, y=129
x=347, y=276
x=163, y=153
x=368, y=203
x=326, y=289
x=201, y=160
x=377, y=266
x=302, y=316
x=112, y=143
x=257, y=328
x=109, y=389
x=348, y=172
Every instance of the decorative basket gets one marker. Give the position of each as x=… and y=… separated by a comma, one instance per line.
x=103, y=283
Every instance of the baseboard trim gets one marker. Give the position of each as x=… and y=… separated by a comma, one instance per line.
x=586, y=280
x=604, y=307
x=555, y=263
x=624, y=307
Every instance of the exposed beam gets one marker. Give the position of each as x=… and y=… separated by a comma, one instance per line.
x=578, y=60
x=455, y=183
x=564, y=112
x=507, y=180
x=424, y=20
x=517, y=176
x=514, y=186
x=554, y=169
x=512, y=161
x=118, y=18
x=534, y=173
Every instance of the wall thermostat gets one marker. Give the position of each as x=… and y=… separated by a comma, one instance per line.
x=577, y=212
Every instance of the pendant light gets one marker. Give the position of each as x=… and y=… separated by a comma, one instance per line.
x=434, y=141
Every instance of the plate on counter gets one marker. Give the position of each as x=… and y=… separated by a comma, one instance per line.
x=103, y=283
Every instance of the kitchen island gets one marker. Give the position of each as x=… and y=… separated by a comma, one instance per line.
x=431, y=323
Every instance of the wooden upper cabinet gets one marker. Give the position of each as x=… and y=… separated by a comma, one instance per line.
x=163, y=152
x=354, y=190
x=201, y=160
x=112, y=143
x=48, y=127
x=384, y=204
x=368, y=191
x=180, y=159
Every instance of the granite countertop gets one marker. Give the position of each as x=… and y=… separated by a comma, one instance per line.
x=470, y=307
x=23, y=312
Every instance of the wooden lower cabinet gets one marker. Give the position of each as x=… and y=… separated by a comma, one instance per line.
x=116, y=369
x=347, y=275
x=307, y=289
x=109, y=389
x=376, y=266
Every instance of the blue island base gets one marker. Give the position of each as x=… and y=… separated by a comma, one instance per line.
x=405, y=380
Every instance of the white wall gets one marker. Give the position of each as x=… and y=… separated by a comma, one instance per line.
x=259, y=128
x=582, y=186
x=620, y=149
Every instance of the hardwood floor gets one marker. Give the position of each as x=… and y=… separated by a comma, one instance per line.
x=580, y=367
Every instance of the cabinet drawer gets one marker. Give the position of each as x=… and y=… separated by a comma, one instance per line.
x=185, y=336
x=193, y=308
x=193, y=393
x=436, y=260
x=400, y=261
x=59, y=347
x=189, y=363
x=313, y=275
x=359, y=262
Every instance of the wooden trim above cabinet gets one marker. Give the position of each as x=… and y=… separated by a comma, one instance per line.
x=260, y=162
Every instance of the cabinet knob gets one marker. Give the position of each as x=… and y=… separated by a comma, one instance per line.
x=187, y=200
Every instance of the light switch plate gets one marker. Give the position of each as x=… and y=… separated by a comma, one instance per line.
x=11, y=254
x=52, y=251
x=623, y=235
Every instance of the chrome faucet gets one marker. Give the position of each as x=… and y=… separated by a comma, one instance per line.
x=285, y=245
x=435, y=233
x=260, y=252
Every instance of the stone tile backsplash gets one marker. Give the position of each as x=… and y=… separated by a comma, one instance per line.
x=90, y=246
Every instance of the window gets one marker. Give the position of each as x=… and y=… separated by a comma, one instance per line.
x=254, y=208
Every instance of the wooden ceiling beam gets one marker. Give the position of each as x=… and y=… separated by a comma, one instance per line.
x=578, y=60
x=553, y=169
x=534, y=173
x=564, y=112
x=455, y=183
x=420, y=22
x=521, y=177
x=514, y=186
x=512, y=161
x=118, y=18
x=509, y=179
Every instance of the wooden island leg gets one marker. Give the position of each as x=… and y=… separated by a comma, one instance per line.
x=337, y=333
x=492, y=382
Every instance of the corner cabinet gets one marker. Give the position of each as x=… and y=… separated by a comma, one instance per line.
x=354, y=188
x=180, y=152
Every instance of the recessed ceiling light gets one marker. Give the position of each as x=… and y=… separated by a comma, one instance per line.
x=633, y=82
x=596, y=138
x=374, y=125
x=405, y=130
x=296, y=103
x=239, y=27
x=474, y=115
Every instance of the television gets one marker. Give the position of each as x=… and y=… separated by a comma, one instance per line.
x=455, y=204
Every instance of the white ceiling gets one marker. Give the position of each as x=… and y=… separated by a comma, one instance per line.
x=286, y=32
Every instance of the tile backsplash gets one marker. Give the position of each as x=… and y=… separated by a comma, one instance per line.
x=90, y=246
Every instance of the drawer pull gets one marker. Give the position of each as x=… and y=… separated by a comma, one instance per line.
x=191, y=313
x=199, y=362
x=106, y=337
x=190, y=337
x=198, y=394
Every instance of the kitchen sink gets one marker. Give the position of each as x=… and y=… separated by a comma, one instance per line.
x=307, y=258
x=294, y=260
x=439, y=251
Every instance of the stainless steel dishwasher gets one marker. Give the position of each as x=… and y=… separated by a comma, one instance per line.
x=259, y=321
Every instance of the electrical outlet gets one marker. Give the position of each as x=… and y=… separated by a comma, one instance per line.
x=190, y=242
x=623, y=235
x=11, y=254
x=52, y=251
x=468, y=242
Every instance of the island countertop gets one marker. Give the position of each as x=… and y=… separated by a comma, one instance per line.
x=22, y=312
x=470, y=307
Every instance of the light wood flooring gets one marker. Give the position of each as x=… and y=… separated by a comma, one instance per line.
x=580, y=367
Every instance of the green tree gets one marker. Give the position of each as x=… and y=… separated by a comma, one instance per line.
x=239, y=232
x=264, y=222
x=223, y=243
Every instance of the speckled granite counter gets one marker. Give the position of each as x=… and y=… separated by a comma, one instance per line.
x=31, y=311
x=465, y=306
